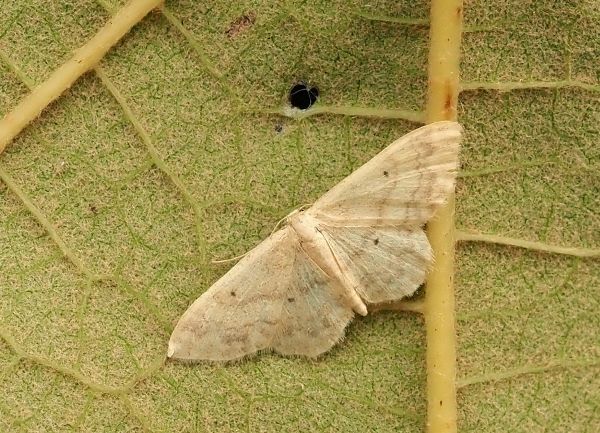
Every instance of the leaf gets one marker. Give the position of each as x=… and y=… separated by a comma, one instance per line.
x=82, y=340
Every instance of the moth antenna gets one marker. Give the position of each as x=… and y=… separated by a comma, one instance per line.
x=279, y=223
x=214, y=262
x=295, y=211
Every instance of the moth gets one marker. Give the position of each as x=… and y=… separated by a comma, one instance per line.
x=362, y=243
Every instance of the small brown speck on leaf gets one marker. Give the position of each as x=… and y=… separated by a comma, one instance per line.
x=448, y=102
x=240, y=24
x=385, y=173
x=448, y=105
x=232, y=293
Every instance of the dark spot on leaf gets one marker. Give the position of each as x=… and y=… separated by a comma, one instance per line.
x=458, y=11
x=386, y=174
x=448, y=99
x=376, y=241
x=232, y=293
x=440, y=402
x=240, y=24
x=302, y=96
x=291, y=299
x=93, y=209
x=448, y=102
x=278, y=128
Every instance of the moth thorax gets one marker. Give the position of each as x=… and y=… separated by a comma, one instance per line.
x=314, y=243
x=304, y=224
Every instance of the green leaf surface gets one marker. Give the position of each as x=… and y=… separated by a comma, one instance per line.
x=103, y=246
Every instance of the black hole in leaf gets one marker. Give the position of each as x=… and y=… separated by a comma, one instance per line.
x=302, y=96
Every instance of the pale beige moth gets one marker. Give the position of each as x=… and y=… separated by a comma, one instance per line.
x=362, y=243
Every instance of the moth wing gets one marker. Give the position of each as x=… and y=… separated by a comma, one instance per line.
x=383, y=263
x=274, y=298
x=402, y=185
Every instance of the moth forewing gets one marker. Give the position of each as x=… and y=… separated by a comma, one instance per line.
x=402, y=185
x=274, y=298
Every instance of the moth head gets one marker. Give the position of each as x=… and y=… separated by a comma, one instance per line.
x=295, y=213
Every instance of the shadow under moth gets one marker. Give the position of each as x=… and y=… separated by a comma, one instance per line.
x=361, y=243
